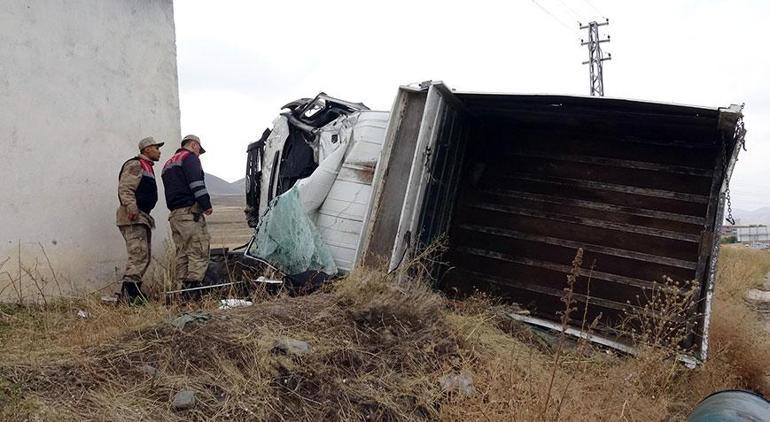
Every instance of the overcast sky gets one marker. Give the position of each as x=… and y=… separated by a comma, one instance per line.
x=239, y=61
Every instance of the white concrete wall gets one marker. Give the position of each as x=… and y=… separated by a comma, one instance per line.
x=81, y=82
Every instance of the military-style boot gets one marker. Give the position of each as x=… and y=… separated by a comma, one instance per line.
x=193, y=295
x=141, y=297
x=131, y=292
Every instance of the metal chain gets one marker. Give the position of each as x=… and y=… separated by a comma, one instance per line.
x=739, y=136
x=730, y=219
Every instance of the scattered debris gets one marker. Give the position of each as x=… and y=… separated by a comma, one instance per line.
x=262, y=279
x=109, y=300
x=83, y=314
x=182, y=320
x=549, y=338
x=755, y=295
x=458, y=383
x=198, y=290
x=184, y=400
x=291, y=346
x=149, y=370
x=515, y=308
x=234, y=303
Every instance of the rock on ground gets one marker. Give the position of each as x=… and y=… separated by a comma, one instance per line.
x=184, y=400
x=458, y=383
x=149, y=370
x=755, y=295
x=291, y=346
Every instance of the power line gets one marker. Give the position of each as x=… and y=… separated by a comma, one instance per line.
x=591, y=5
x=595, y=56
x=570, y=10
x=553, y=16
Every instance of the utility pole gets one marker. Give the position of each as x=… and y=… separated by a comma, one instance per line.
x=595, y=56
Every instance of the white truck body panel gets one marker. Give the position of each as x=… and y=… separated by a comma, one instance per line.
x=341, y=216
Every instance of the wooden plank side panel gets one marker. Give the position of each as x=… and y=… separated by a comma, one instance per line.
x=641, y=178
x=597, y=193
x=693, y=129
x=535, y=189
x=545, y=142
x=615, y=261
x=575, y=231
x=593, y=211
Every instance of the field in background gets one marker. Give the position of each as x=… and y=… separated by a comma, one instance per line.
x=380, y=349
x=227, y=224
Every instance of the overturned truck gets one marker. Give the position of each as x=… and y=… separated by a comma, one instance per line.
x=515, y=185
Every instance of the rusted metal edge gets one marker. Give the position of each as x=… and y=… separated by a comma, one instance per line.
x=356, y=174
x=622, y=253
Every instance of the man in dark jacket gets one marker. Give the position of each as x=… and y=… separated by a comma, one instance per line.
x=138, y=194
x=189, y=203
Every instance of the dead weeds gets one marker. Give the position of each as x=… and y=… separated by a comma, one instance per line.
x=378, y=347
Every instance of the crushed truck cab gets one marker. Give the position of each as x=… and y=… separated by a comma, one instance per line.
x=320, y=156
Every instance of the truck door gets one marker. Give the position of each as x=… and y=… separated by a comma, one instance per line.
x=416, y=169
x=430, y=192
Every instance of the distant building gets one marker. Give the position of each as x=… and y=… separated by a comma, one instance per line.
x=752, y=234
x=728, y=230
x=81, y=82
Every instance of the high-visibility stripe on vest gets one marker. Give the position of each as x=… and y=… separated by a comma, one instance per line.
x=183, y=181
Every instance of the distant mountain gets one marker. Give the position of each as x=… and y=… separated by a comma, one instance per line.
x=218, y=186
x=758, y=216
x=240, y=184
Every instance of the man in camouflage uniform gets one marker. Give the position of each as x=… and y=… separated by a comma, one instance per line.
x=189, y=203
x=138, y=194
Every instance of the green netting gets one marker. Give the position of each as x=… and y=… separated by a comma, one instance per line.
x=289, y=240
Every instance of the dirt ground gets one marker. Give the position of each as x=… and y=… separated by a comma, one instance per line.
x=227, y=224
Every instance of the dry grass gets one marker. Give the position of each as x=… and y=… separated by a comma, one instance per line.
x=378, y=349
x=739, y=341
x=651, y=386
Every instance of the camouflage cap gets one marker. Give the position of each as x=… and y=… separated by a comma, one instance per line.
x=148, y=142
x=188, y=138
